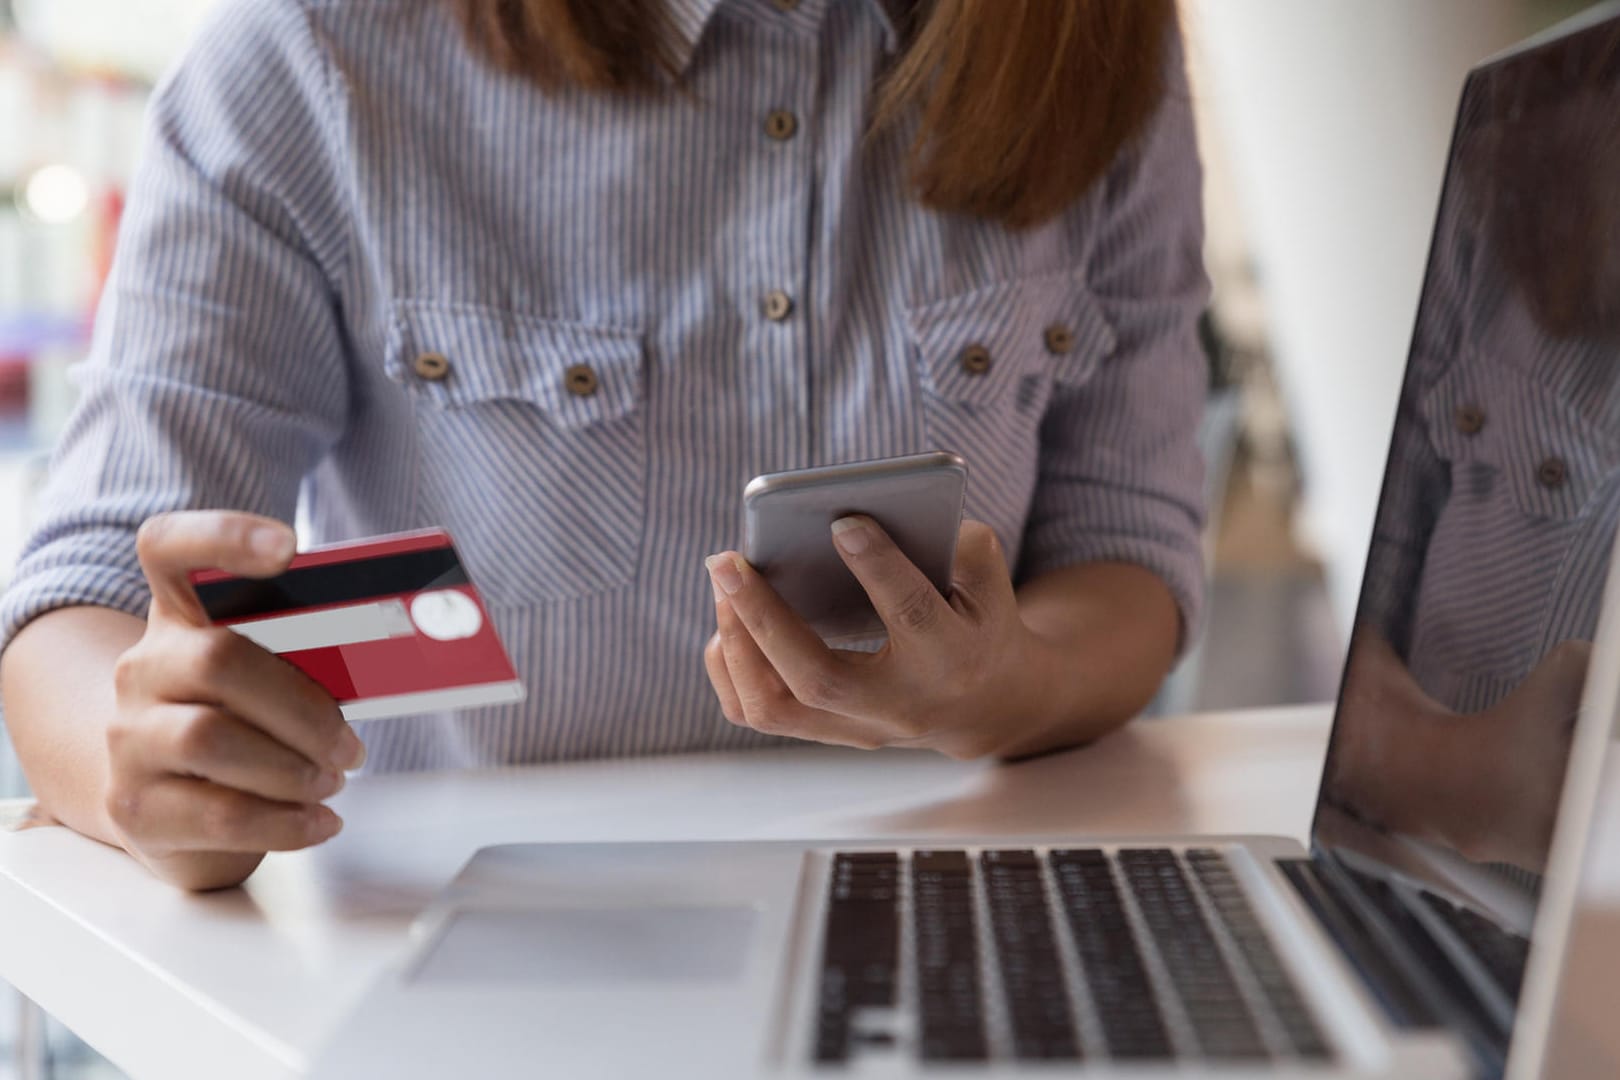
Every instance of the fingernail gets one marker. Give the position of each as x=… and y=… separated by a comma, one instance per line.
x=852, y=535
x=324, y=824
x=724, y=573
x=350, y=752
x=272, y=543
x=329, y=784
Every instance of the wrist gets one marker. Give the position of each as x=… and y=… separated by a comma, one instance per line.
x=1045, y=698
x=1099, y=638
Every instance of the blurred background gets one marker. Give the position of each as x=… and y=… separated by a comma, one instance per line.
x=1324, y=129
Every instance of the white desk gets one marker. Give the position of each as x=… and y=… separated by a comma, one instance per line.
x=248, y=983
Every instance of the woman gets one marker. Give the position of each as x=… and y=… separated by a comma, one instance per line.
x=561, y=275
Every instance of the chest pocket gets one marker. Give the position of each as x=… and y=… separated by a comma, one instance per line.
x=531, y=445
x=1507, y=568
x=989, y=362
x=1508, y=437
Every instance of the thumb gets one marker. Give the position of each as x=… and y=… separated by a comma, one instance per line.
x=171, y=546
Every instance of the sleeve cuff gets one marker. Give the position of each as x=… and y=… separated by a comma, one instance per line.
x=35, y=592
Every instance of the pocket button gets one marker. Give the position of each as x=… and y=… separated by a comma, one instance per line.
x=1059, y=339
x=581, y=380
x=976, y=360
x=1470, y=419
x=1552, y=473
x=432, y=366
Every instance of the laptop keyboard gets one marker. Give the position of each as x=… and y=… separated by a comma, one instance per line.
x=1503, y=954
x=1144, y=954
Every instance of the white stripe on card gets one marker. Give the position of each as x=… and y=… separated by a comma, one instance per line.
x=333, y=626
x=427, y=701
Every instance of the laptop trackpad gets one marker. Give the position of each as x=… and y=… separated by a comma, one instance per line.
x=563, y=947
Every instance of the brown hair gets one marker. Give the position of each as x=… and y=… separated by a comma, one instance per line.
x=1023, y=103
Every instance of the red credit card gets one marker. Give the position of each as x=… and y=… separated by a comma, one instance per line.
x=390, y=626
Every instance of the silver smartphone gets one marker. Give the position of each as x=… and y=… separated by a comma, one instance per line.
x=787, y=531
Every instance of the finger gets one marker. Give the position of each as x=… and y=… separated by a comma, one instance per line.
x=219, y=667
x=767, y=704
x=905, y=599
x=714, y=661
x=211, y=744
x=761, y=691
x=170, y=546
x=980, y=578
x=178, y=813
x=791, y=650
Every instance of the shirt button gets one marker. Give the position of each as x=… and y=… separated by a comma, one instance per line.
x=781, y=124
x=975, y=360
x=432, y=366
x=581, y=380
x=1553, y=473
x=785, y=5
x=778, y=305
x=1059, y=339
x=1470, y=419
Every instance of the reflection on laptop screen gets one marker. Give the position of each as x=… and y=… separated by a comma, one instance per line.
x=1501, y=497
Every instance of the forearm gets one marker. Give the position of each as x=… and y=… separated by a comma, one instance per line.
x=1105, y=635
x=57, y=682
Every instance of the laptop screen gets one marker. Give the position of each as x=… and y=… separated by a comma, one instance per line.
x=1501, y=497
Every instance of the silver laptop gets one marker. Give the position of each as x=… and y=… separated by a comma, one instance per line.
x=1395, y=945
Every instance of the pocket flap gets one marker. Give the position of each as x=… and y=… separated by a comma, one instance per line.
x=976, y=346
x=1550, y=456
x=578, y=373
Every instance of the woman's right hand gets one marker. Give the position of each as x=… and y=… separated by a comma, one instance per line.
x=219, y=750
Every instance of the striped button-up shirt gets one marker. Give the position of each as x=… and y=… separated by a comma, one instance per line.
x=333, y=188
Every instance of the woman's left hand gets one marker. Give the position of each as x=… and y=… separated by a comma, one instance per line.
x=963, y=675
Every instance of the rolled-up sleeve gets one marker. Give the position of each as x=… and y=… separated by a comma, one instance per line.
x=217, y=374
x=1121, y=476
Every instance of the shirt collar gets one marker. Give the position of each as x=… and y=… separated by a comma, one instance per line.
x=689, y=18
x=893, y=14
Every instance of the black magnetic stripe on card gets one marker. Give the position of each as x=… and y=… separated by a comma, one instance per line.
x=333, y=583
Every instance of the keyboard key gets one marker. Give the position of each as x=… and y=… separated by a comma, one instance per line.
x=943, y=868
